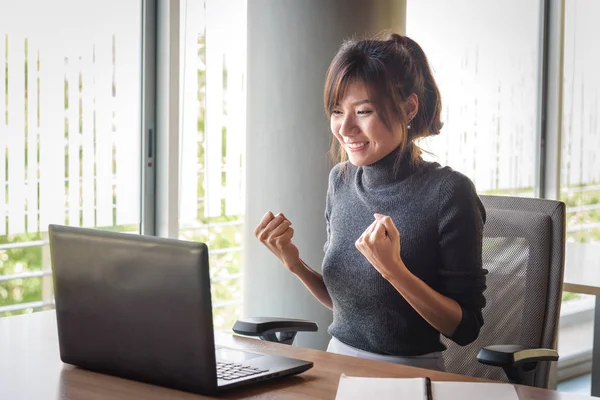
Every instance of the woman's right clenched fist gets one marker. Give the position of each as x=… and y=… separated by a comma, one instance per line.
x=275, y=232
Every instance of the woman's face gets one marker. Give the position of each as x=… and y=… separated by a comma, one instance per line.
x=358, y=128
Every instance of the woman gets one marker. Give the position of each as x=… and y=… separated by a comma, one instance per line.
x=404, y=236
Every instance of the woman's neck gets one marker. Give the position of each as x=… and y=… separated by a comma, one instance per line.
x=393, y=167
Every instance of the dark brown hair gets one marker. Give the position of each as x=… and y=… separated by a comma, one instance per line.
x=392, y=70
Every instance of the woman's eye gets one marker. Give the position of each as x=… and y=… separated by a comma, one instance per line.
x=364, y=112
x=336, y=112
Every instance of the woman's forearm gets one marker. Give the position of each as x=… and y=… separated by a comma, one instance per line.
x=313, y=282
x=443, y=313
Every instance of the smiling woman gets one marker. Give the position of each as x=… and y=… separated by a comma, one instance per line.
x=359, y=129
x=404, y=236
x=401, y=91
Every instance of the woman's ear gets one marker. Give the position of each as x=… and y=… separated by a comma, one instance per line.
x=412, y=106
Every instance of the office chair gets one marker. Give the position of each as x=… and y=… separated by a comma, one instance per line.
x=523, y=250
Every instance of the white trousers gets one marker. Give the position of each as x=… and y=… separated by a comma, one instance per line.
x=433, y=361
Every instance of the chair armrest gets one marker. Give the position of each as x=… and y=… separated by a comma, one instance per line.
x=519, y=362
x=273, y=329
x=502, y=355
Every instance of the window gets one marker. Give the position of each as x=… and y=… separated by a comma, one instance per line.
x=580, y=143
x=489, y=78
x=70, y=140
x=580, y=169
x=71, y=134
x=212, y=141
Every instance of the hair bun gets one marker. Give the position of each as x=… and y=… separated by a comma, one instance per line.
x=399, y=39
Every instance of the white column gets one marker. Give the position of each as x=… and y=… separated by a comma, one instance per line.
x=290, y=46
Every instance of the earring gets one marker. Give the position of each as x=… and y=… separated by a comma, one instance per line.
x=408, y=126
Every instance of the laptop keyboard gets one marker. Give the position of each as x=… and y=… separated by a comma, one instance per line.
x=230, y=370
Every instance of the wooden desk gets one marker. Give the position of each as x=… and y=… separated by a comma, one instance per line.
x=582, y=275
x=30, y=368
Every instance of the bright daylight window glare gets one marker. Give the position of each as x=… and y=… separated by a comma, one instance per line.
x=212, y=143
x=488, y=78
x=70, y=135
x=70, y=77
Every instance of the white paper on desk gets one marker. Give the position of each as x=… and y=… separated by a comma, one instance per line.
x=354, y=388
x=472, y=390
x=358, y=388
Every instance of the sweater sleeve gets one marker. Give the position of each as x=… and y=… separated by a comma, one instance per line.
x=461, y=216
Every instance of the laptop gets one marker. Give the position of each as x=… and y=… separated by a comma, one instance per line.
x=139, y=307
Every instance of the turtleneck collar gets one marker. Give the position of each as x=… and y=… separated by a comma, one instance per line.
x=382, y=173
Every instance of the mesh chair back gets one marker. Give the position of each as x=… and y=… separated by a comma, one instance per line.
x=523, y=250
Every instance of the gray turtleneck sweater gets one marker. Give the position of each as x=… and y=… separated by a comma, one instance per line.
x=440, y=219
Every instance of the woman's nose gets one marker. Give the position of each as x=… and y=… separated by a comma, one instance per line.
x=347, y=126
